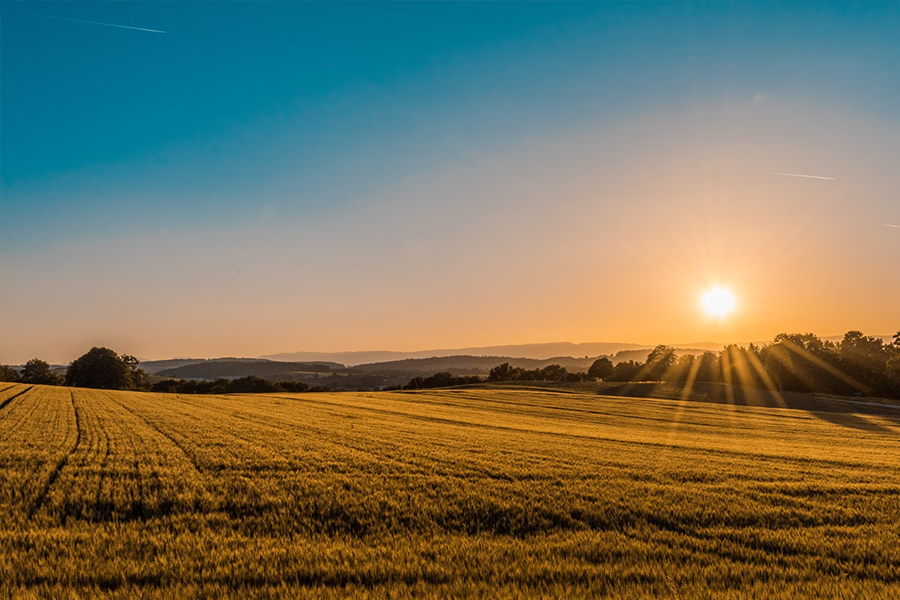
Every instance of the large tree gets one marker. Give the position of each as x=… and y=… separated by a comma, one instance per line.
x=601, y=368
x=864, y=352
x=893, y=364
x=659, y=361
x=104, y=369
x=503, y=372
x=38, y=371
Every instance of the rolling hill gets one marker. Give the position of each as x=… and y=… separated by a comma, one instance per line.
x=534, y=351
x=469, y=364
x=226, y=368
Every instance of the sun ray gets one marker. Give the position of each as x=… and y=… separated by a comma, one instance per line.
x=682, y=403
x=766, y=379
x=810, y=381
x=726, y=378
x=692, y=376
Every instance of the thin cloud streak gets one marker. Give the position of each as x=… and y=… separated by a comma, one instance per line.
x=801, y=175
x=94, y=23
x=891, y=225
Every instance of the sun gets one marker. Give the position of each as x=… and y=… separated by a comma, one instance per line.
x=718, y=302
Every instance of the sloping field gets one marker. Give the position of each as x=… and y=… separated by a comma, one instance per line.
x=446, y=494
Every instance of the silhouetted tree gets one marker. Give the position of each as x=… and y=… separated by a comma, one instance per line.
x=252, y=385
x=862, y=353
x=442, y=379
x=553, y=373
x=601, y=368
x=740, y=366
x=778, y=365
x=503, y=373
x=242, y=385
x=100, y=368
x=681, y=370
x=892, y=368
x=659, y=361
x=8, y=373
x=808, y=342
x=709, y=364
x=139, y=379
x=627, y=370
x=807, y=363
x=294, y=387
x=38, y=371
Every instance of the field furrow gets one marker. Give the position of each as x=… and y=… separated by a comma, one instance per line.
x=37, y=434
x=10, y=394
x=64, y=458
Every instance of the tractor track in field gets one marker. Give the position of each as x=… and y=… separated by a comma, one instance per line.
x=136, y=463
x=249, y=441
x=104, y=445
x=60, y=465
x=175, y=442
x=30, y=410
x=258, y=420
x=14, y=396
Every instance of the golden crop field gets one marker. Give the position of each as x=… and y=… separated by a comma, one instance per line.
x=461, y=493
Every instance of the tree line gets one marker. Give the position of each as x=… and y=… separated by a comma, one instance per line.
x=99, y=368
x=251, y=384
x=802, y=362
x=102, y=368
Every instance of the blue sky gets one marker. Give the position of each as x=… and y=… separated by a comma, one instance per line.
x=278, y=100
x=259, y=116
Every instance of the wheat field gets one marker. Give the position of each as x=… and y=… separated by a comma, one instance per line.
x=479, y=493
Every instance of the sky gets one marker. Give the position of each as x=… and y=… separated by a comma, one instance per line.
x=254, y=178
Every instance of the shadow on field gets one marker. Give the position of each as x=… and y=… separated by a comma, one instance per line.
x=846, y=412
x=855, y=421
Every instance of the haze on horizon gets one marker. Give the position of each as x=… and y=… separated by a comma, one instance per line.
x=277, y=177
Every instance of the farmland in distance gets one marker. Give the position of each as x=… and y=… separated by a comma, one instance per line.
x=496, y=492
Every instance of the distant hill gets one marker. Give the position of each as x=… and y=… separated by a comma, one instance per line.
x=470, y=365
x=231, y=368
x=575, y=357
x=534, y=351
x=474, y=365
x=151, y=367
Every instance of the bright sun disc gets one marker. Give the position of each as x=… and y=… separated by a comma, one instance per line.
x=718, y=302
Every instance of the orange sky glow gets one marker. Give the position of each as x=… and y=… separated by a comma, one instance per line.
x=607, y=233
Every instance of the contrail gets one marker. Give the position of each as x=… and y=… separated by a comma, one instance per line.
x=800, y=175
x=94, y=23
x=891, y=225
